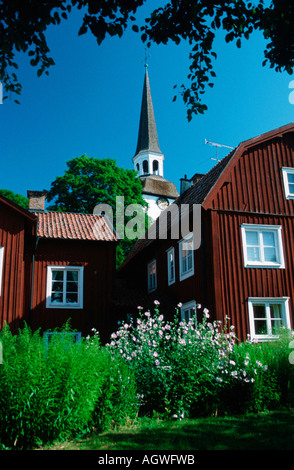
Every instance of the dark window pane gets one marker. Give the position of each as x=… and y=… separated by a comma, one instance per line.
x=57, y=275
x=260, y=327
x=71, y=298
x=259, y=311
x=56, y=297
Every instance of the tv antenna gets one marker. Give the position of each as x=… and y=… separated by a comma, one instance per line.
x=216, y=148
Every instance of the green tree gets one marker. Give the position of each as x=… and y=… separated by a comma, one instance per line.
x=15, y=197
x=90, y=181
x=24, y=23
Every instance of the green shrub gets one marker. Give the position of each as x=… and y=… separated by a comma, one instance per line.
x=117, y=399
x=273, y=384
x=184, y=369
x=56, y=391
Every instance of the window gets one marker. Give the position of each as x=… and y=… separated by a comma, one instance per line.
x=145, y=167
x=64, y=287
x=188, y=311
x=171, y=266
x=267, y=316
x=155, y=167
x=262, y=246
x=1, y=266
x=288, y=178
x=186, y=258
x=152, y=277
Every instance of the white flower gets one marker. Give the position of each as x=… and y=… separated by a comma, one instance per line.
x=206, y=312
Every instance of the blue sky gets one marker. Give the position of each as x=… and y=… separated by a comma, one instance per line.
x=90, y=104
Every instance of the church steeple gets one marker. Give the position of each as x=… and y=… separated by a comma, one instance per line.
x=148, y=158
x=147, y=136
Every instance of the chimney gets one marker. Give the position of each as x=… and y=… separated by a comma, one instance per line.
x=185, y=184
x=37, y=200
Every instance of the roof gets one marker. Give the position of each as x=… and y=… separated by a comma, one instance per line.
x=147, y=135
x=158, y=186
x=71, y=226
x=24, y=212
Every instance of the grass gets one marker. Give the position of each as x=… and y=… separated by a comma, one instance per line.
x=265, y=431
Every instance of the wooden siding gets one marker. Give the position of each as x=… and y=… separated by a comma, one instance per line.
x=254, y=182
x=14, y=296
x=252, y=192
x=98, y=260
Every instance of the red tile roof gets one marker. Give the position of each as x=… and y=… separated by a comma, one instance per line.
x=71, y=226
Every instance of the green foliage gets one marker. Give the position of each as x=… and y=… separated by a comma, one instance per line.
x=17, y=198
x=62, y=389
x=273, y=385
x=57, y=391
x=195, y=22
x=183, y=369
x=90, y=181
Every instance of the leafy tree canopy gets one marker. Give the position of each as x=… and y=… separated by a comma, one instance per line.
x=15, y=197
x=24, y=23
x=90, y=181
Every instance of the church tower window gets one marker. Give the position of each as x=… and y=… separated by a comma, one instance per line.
x=155, y=167
x=145, y=167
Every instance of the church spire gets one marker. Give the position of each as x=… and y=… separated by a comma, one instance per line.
x=147, y=135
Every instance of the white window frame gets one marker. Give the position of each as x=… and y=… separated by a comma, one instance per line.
x=267, y=302
x=188, y=306
x=1, y=266
x=152, y=286
x=63, y=304
x=260, y=228
x=184, y=274
x=285, y=173
x=171, y=276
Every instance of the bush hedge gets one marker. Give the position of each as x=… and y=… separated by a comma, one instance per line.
x=61, y=389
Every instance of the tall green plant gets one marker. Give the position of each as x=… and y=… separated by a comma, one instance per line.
x=54, y=391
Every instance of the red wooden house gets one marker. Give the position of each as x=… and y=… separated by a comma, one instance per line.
x=55, y=267
x=244, y=268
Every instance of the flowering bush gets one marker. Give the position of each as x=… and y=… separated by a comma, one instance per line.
x=182, y=368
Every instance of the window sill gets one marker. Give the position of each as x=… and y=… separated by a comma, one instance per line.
x=65, y=306
x=265, y=266
x=186, y=275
